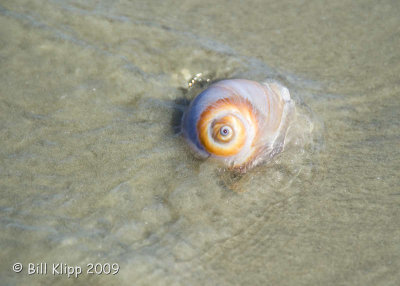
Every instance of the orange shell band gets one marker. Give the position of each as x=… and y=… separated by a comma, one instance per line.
x=211, y=140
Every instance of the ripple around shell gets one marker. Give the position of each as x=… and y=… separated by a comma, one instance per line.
x=303, y=139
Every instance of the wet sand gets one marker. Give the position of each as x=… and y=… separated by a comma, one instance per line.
x=92, y=169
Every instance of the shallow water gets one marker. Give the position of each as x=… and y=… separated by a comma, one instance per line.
x=92, y=170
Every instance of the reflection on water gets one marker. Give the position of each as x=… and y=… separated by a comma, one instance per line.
x=93, y=168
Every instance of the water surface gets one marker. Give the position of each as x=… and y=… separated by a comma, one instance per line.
x=92, y=170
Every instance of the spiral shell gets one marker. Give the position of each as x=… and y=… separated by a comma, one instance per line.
x=239, y=122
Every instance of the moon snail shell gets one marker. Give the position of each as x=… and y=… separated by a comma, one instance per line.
x=238, y=122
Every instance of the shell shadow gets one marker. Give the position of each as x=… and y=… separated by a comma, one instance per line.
x=181, y=104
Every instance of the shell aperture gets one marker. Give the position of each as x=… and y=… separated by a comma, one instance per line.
x=239, y=122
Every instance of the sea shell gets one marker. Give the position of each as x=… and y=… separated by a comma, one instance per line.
x=238, y=122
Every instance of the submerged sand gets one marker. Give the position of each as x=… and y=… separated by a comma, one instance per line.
x=92, y=169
